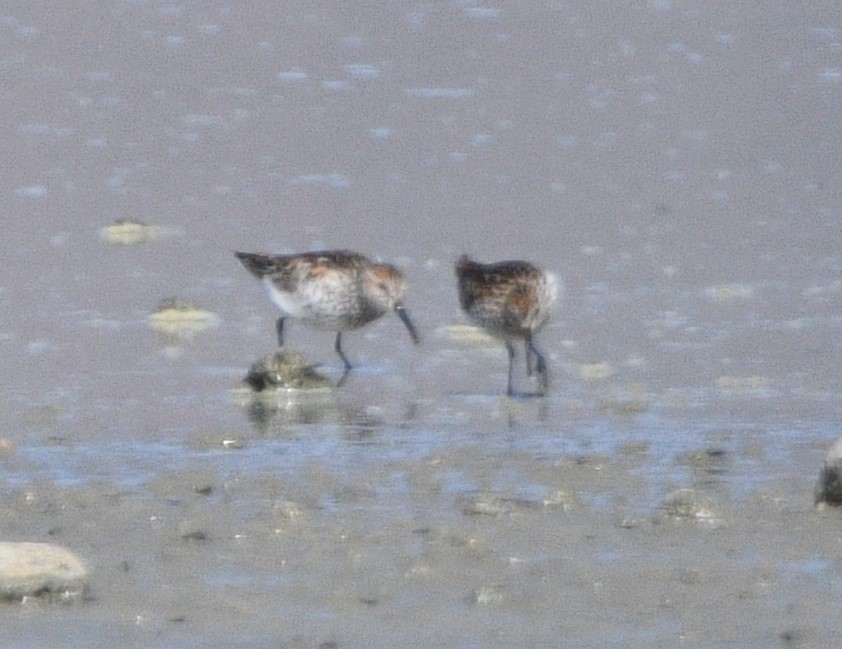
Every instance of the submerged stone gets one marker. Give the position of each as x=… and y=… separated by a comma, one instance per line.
x=284, y=370
x=40, y=570
x=829, y=487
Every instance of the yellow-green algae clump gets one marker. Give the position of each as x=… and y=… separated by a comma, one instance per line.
x=284, y=369
x=128, y=232
x=181, y=319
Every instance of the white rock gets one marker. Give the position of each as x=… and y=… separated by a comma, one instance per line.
x=38, y=569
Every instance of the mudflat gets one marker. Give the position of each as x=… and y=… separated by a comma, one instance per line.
x=676, y=166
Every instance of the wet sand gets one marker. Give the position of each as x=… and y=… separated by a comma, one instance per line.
x=676, y=165
x=501, y=531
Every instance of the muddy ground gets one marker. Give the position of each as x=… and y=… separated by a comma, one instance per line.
x=675, y=163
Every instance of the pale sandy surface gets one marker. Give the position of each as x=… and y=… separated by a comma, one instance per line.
x=676, y=163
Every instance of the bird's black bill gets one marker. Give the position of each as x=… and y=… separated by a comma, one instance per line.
x=404, y=316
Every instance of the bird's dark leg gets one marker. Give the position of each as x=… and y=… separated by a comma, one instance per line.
x=511, y=350
x=345, y=361
x=528, y=349
x=338, y=348
x=279, y=326
x=540, y=365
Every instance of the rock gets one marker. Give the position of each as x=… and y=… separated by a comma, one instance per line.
x=284, y=369
x=486, y=505
x=688, y=505
x=40, y=570
x=829, y=487
x=283, y=388
x=493, y=505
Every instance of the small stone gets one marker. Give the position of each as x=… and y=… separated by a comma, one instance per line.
x=629, y=523
x=40, y=570
x=688, y=505
x=486, y=505
x=195, y=535
x=791, y=637
x=710, y=460
x=193, y=531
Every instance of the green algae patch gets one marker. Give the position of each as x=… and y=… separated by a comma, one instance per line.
x=284, y=370
x=128, y=232
x=181, y=319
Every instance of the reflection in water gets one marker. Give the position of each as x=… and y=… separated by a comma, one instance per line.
x=270, y=410
x=283, y=389
x=522, y=412
x=708, y=466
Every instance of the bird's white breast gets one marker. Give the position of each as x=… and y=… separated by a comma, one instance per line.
x=288, y=303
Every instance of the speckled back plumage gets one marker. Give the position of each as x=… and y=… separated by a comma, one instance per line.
x=509, y=298
x=337, y=290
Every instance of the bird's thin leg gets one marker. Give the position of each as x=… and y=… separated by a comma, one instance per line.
x=540, y=367
x=338, y=348
x=511, y=350
x=345, y=361
x=528, y=349
x=279, y=326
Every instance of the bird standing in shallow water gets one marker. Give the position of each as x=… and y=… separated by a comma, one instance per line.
x=333, y=290
x=511, y=300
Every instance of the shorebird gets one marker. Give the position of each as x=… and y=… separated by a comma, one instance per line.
x=511, y=300
x=333, y=290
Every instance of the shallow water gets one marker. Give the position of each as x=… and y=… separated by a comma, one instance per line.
x=676, y=165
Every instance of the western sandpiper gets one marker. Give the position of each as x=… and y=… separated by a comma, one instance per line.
x=333, y=290
x=511, y=300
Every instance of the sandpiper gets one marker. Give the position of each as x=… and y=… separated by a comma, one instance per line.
x=333, y=290
x=511, y=300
